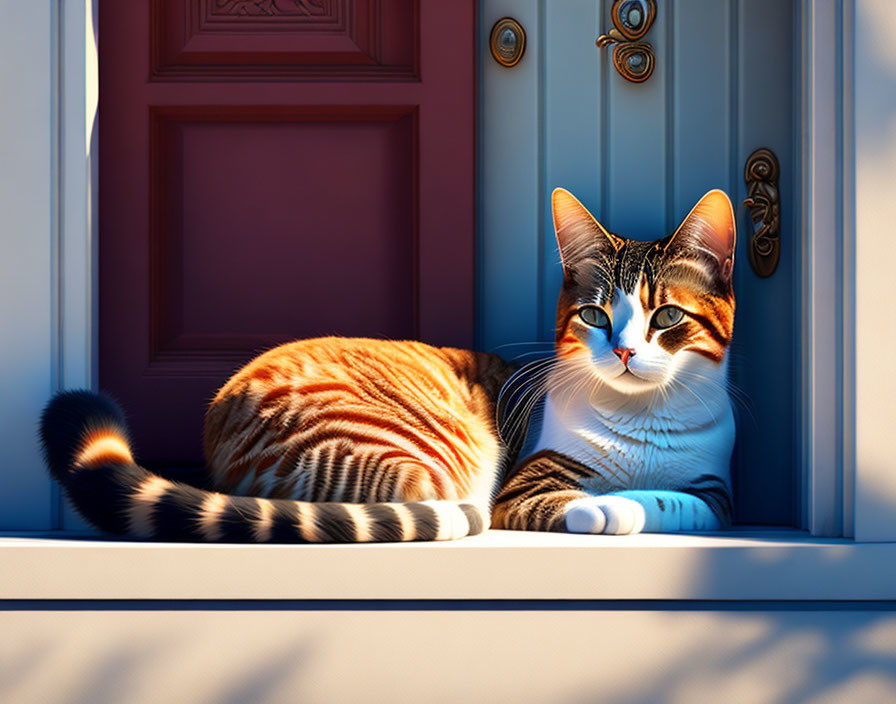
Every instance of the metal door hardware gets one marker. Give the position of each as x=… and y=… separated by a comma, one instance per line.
x=761, y=174
x=508, y=41
x=632, y=19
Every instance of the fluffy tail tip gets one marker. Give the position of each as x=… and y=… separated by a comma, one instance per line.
x=68, y=419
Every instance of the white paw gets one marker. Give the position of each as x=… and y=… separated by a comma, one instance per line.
x=613, y=515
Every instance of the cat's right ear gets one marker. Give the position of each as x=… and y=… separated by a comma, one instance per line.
x=579, y=235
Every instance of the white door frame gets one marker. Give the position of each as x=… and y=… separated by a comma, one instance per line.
x=831, y=398
x=826, y=31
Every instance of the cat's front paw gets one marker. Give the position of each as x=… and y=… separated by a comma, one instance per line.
x=612, y=515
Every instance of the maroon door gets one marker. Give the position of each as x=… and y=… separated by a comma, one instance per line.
x=271, y=170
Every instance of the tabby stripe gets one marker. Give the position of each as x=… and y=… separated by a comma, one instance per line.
x=391, y=491
x=353, y=435
x=392, y=434
x=717, y=498
x=320, y=470
x=142, y=504
x=651, y=291
x=518, y=491
x=334, y=523
x=307, y=525
x=353, y=494
x=264, y=525
x=711, y=328
x=407, y=520
x=549, y=457
x=321, y=388
x=385, y=525
x=380, y=473
x=413, y=449
x=711, y=479
x=210, y=514
x=559, y=479
x=291, y=459
x=550, y=481
x=710, y=355
x=338, y=477
x=361, y=519
x=474, y=518
x=371, y=463
x=237, y=522
x=285, y=527
x=419, y=416
x=103, y=447
x=176, y=513
x=426, y=520
x=672, y=339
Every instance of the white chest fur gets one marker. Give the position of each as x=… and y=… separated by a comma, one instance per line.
x=660, y=442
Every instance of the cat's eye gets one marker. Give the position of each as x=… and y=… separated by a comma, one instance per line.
x=594, y=316
x=667, y=316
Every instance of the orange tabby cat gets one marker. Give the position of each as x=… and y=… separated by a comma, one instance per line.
x=324, y=440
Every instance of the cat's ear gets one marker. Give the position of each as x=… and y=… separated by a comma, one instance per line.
x=709, y=228
x=579, y=235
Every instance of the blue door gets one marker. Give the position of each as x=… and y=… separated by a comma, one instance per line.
x=639, y=155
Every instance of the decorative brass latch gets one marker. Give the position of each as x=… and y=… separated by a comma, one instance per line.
x=632, y=19
x=761, y=174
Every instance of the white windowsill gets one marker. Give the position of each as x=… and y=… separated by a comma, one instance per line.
x=741, y=565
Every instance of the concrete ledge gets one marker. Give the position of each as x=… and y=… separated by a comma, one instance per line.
x=758, y=565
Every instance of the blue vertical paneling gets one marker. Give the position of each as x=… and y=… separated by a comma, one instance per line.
x=700, y=123
x=635, y=158
x=639, y=156
x=572, y=127
x=766, y=327
x=28, y=256
x=510, y=198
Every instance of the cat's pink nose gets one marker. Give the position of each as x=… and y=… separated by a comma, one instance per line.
x=624, y=353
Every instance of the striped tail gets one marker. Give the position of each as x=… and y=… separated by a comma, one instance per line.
x=86, y=446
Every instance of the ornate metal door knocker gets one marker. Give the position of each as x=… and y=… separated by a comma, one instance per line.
x=632, y=19
x=761, y=174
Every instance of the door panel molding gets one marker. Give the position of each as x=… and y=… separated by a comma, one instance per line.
x=385, y=147
x=334, y=40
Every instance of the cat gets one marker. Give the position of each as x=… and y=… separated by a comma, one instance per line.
x=638, y=427
x=321, y=440
x=360, y=440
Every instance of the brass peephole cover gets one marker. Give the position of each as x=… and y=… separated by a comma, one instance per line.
x=507, y=42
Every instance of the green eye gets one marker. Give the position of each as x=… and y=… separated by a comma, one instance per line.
x=594, y=316
x=667, y=316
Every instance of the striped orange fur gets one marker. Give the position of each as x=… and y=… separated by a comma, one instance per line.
x=323, y=440
x=357, y=440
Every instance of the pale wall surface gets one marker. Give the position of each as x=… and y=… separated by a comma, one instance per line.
x=302, y=653
x=27, y=233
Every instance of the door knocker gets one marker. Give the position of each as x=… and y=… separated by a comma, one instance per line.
x=761, y=174
x=632, y=19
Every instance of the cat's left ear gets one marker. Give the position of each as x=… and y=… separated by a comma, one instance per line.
x=710, y=228
x=580, y=237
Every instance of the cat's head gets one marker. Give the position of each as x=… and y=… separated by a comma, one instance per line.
x=646, y=314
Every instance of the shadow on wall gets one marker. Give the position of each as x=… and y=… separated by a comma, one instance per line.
x=783, y=656
x=105, y=657
x=575, y=652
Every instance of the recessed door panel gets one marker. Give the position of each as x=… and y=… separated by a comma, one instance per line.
x=273, y=170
